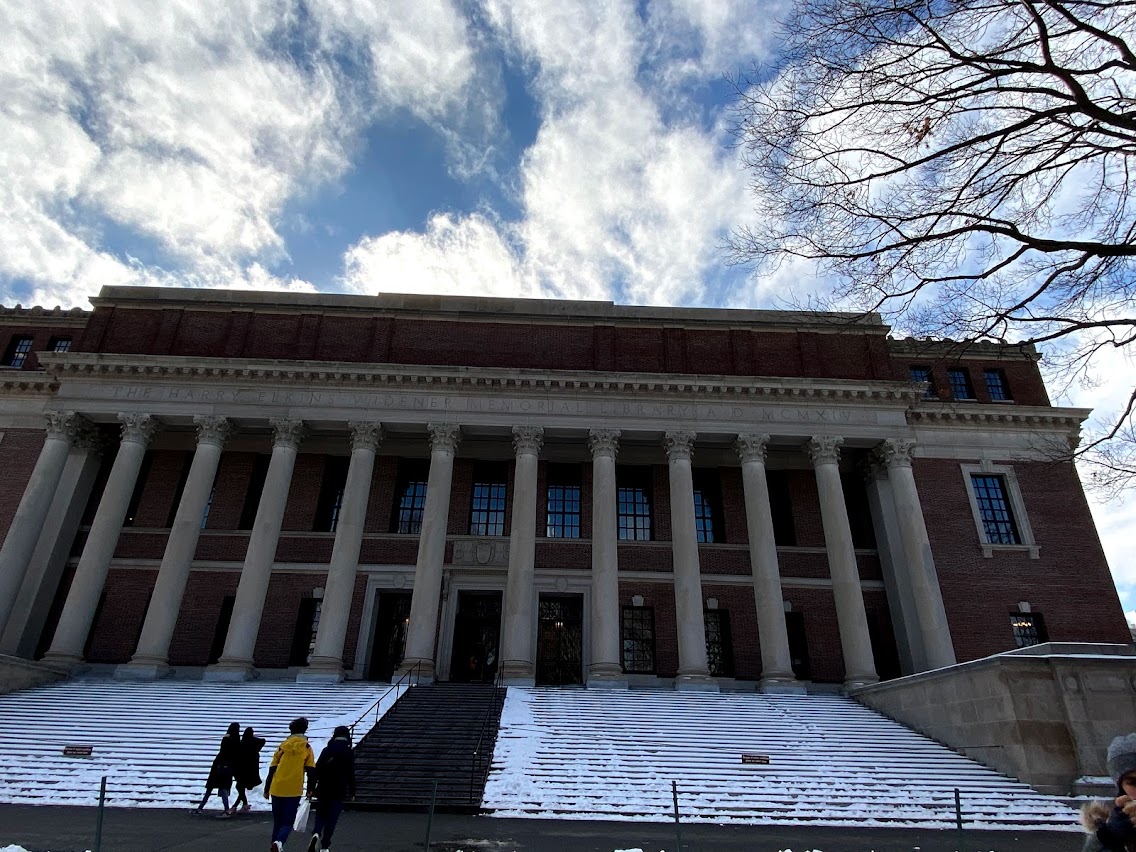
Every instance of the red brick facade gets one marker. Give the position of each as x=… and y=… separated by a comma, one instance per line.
x=1069, y=583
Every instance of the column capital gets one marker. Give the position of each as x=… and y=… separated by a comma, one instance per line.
x=895, y=452
x=287, y=433
x=444, y=436
x=366, y=434
x=679, y=444
x=751, y=446
x=824, y=449
x=138, y=428
x=604, y=442
x=63, y=425
x=527, y=440
x=212, y=430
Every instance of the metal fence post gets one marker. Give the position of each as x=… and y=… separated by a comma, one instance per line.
x=430, y=813
x=678, y=824
x=99, y=818
x=958, y=821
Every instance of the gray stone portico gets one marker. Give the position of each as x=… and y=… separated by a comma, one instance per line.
x=476, y=411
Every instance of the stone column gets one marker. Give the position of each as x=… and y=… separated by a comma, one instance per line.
x=150, y=660
x=859, y=666
x=518, y=657
x=49, y=560
x=606, y=668
x=693, y=668
x=236, y=661
x=420, y=645
x=776, y=663
x=90, y=575
x=934, y=629
x=23, y=534
x=326, y=664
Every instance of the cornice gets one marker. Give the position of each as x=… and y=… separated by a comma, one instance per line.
x=984, y=350
x=18, y=383
x=43, y=316
x=95, y=366
x=982, y=416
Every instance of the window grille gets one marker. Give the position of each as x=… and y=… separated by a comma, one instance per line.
x=994, y=508
x=960, y=384
x=719, y=650
x=634, y=505
x=487, y=509
x=923, y=374
x=996, y=385
x=1029, y=628
x=60, y=344
x=563, y=511
x=18, y=351
x=639, y=640
x=411, y=498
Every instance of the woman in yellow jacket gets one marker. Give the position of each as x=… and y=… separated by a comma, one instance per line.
x=292, y=761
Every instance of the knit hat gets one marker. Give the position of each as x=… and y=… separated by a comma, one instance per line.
x=1122, y=756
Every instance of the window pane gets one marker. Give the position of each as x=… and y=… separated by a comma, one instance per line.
x=634, y=503
x=719, y=652
x=61, y=344
x=703, y=518
x=487, y=515
x=1029, y=628
x=923, y=374
x=994, y=508
x=639, y=639
x=996, y=385
x=960, y=384
x=18, y=351
x=563, y=511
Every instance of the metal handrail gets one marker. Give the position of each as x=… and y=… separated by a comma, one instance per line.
x=411, y=674
x=475, y=758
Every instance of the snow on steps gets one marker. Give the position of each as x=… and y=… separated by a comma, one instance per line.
x=154, y=741
x=612, y=755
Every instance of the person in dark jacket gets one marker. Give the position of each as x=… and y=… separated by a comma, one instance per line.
x=221, y=772
x=335, y=783
x=1111, y=826
x=247, y=771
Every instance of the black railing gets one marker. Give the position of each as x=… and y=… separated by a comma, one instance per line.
x=482, y=752
x=410, y=676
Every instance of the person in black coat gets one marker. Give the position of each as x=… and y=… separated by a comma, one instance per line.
x=221, y=772
x=247, y=771
x=335, y=783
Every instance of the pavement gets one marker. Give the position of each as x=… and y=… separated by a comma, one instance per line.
x=70, y=829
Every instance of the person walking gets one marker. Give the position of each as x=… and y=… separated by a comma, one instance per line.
x=247, y=771
x=335, y=783
x=221, y=772
x=292, y=762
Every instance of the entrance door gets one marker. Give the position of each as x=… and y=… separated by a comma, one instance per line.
x=388, y=636
x=559, y=635
x=477, y=631
x=798, y=645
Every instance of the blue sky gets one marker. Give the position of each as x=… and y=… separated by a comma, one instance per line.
x=495, y=147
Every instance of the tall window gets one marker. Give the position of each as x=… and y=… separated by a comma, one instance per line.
x=719, y=649
x=304, y=636
x=708, y=507
x=208, y=506
x=179, y=489
x=1029, y=628
x=331, y=494
x=996, y=384
x=60, y=344
x=413, y=475
x=994, y=507
x=781, y=507
x=960, y=384
x=254, y=492
x=923, y=374
x=17, y=352
x=634, y=503
x=639, y=639
x=563, y=501
x=487, y=510
x=139, y=488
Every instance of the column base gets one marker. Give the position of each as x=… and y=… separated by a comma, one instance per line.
x=517, y=673
x=230, y=671
x=854, y=683
x=777, y=684
x=695, y=683
x=425, y=674
x=606, y=676
x=143, y=668
x=323, y=670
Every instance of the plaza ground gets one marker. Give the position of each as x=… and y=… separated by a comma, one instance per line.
x=67, y=829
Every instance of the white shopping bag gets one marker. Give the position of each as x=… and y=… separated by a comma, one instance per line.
x=303, y=816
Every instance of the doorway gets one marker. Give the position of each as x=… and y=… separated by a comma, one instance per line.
x=798, y=645
x=559, y=640
x=388, y=635
x=477, y=632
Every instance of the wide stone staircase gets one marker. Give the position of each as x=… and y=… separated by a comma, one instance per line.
x=443, y=733
x=613, y=755
x=153, y=741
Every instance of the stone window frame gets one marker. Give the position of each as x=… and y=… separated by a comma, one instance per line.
x=1017, y=506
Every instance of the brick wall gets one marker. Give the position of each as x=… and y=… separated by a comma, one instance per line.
x=19, y=452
